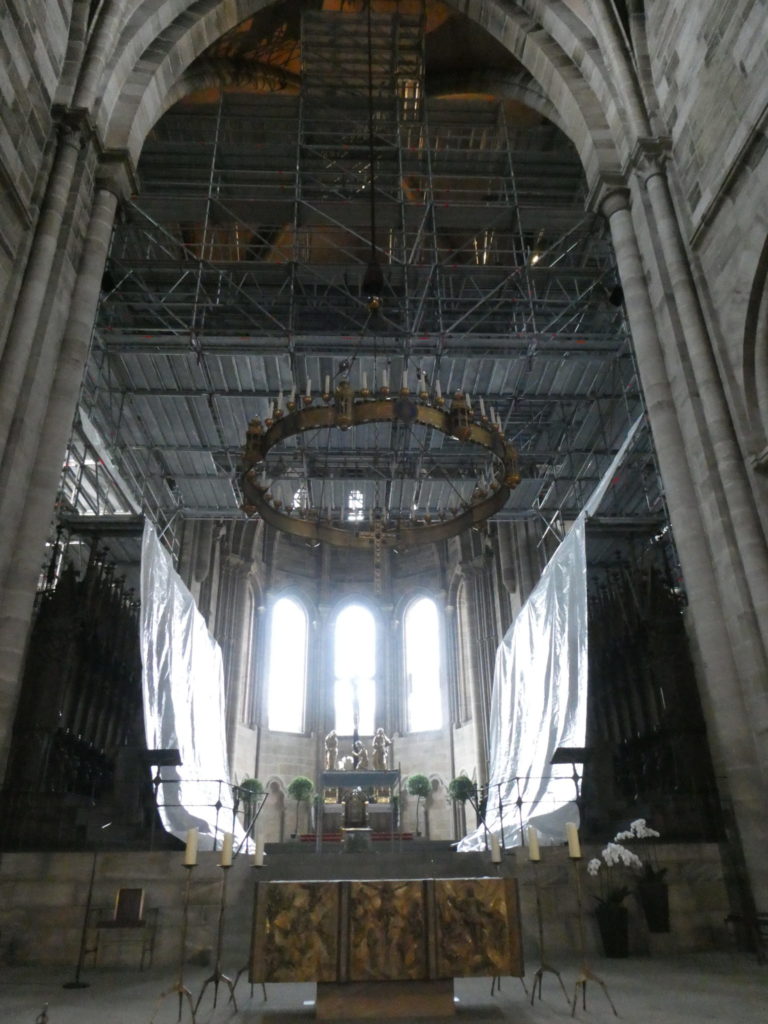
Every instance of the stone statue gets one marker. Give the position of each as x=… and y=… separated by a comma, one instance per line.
x=360, y=755
x=331, y=750
x=381, y=745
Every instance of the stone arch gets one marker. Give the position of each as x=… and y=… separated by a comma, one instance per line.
x=149, y=73
x=755, y=355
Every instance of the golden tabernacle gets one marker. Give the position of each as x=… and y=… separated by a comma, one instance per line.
x=388, y=930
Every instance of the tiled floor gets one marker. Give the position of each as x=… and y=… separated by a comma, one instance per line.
x=721, y=987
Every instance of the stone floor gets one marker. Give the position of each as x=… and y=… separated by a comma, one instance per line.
x=719, y=987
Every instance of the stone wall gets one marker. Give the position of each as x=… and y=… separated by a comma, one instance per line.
x=43, y=898
x=33, y=38
x=709, y=63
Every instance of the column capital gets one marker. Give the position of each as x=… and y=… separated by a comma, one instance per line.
x=609, y=194
x=74, y=128
x=115, y=173
x=649, y=157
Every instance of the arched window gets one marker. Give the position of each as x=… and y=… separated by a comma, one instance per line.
x=287, y=666
x=421, y=642
x=354, y=670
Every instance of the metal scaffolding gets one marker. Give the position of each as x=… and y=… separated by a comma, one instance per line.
x=239, y=272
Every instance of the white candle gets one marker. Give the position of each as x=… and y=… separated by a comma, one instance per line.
x=385, y=377
x=534, y=853
x=280, y=399
x=309, y=387
x=405, y=380
x=293, y=396
x=190, y=851
x=258, y=856
x=365, y=381
x=482, y=407
x=226, y=850
x=468, y=399
x=495, y=850
x=438, y=389
x=327, y=388
x=572, y=835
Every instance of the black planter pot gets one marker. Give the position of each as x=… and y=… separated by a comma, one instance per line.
x=654, y=899
x=613, y=922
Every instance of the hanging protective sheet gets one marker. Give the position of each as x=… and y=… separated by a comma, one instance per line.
x=183, y=683
x=539, y=703
x=539, y=697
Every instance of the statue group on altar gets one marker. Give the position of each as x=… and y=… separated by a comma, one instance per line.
x=358, y=759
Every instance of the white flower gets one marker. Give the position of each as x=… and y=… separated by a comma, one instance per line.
x=639, y=830
x=615, y=853
x=623, y=835
x=593, y=866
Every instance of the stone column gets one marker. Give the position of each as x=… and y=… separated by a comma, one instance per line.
x=32, y=507
x=101, y=45
x=743, y=534
x=31, y=299
x=480, y=681
x=727, y=716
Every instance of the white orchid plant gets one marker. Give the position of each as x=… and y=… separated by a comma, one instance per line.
x=617, y=856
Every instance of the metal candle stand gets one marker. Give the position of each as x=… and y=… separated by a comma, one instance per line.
x=180, y=988
x=543, y=967
x=585, y=973
x=218, y=976
x=246, y=966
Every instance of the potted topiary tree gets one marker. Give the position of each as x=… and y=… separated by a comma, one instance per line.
x=250, y=792
x=420, y=787
x=300, y=790
x=462, y=790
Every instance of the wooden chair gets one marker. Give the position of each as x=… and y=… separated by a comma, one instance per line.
x=129, y=915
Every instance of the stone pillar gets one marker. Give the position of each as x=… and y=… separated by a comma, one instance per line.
x=482, y=673
x=32, y=506
x=728, y=719
x=742, y=534
x=31, y=299
x=101, y=45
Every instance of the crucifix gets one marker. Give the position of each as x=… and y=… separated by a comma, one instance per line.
x=355, y=711
x=376, y=536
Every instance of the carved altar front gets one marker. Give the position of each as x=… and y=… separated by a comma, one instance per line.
x=386, y=930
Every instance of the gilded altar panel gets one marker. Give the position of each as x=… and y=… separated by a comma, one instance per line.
x=478, y=932
x=295, y=935
x=387, y=931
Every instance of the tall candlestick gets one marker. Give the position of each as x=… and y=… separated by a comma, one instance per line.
x=190, y=851
x=534, y=853
x=572, y=835
x=226, y=850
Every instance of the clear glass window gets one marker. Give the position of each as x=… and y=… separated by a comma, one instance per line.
x=287, y=666
x=422, y=665
x=354, y=670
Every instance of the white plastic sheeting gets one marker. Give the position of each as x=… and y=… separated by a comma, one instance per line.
x=539, y=697
x=539, y=703
x=183, y=700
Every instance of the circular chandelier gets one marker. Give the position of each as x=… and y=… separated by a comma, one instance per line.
x=345, y=409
